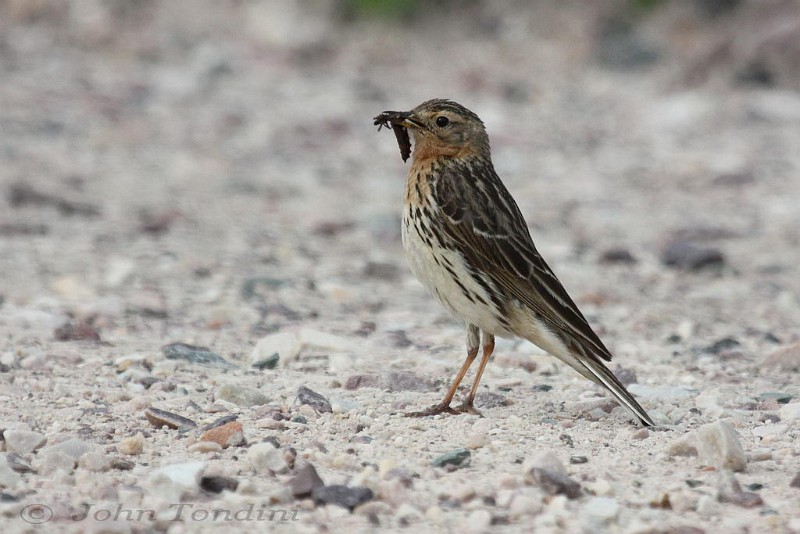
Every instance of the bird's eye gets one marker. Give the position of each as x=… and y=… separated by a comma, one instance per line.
x=442, y=121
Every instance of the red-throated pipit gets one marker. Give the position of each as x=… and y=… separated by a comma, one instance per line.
x=467, y=242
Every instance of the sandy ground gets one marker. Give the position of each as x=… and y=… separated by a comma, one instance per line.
x=209, y=174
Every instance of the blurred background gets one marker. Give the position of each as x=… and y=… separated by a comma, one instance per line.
x=197, y=164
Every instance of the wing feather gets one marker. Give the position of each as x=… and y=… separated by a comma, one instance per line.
x=481, y=216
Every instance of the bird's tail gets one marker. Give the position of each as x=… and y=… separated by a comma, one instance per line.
x=598, y=372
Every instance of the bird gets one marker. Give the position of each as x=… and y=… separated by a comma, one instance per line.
x=466, y=240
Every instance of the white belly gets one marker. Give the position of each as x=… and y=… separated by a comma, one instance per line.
x=477, y=308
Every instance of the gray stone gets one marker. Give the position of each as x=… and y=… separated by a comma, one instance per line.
x=196, y=355
x=456, y=458
x=718, y=445
x=216, y=484
x=691, y=256
x=305, y=482
x=319, y=403
x=241, y=395
x=23, y=441
x=344, y=496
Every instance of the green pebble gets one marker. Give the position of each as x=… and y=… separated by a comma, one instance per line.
x=458, y=458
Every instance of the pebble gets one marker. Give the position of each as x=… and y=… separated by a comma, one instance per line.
x=691, y=256
x=241, y=395
x=62, y=455
x=313, y=399
x=204, y=446
x=282, y=347
x=23, y=441
x=159, y=418
x=641, y=433
x=729, y=490
x=36, y=361
x=94, y=461
x=267, y=459
x=196, y=355
x=617, y=255
x=316, y=338
x=176, y=482
x=76, y=331
x=216, y=484
x=554, y=483
x=718, y=445
x=784, y=359
x=456, y=458
x=8, y=478
x=477, y=440
x=344, y=496
x=790, y=412
x=720, y=346
x=305, y=482
x=795, y=483
x=601, y=509
x=121, y=464
x=759, y=455
x=131, y=445
x=227, y=435
x=578, y=460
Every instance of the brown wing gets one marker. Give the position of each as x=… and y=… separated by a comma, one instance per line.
x=480, y=215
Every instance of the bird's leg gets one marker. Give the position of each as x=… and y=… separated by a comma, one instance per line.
x=488, y=348
x=472, y=353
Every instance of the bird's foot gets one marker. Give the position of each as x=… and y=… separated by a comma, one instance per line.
x=468, y=407
x=433, y=410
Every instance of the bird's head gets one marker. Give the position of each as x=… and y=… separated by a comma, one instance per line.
x=440, y=128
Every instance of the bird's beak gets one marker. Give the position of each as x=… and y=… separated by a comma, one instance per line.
x=399, y=118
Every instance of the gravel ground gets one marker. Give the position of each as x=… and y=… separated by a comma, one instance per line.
x=204, y=304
